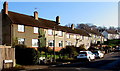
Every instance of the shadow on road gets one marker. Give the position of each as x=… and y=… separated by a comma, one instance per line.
x=111, y=64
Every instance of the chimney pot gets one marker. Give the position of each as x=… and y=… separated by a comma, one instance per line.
x=5, y=7
x=91, y=28
x=58, y=19
x=36, y=15
x=72, y=27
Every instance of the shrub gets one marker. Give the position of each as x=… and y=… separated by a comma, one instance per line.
x=71, y=50
x=80, y=48
x=45, y=50
x=26, y=56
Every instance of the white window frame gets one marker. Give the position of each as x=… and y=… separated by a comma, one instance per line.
x=60, y=33
x=34, y=42
x=21, y=41
x=35, y=29
x=60, y=43
x=50, y=32
x=21, y=28
x=75, y=36
x=68, y=43
x=68, y=35
x=51, y=43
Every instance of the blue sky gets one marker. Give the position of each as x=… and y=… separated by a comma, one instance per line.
x=98, y=13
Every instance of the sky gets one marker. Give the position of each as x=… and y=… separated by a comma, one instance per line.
x=97, y=13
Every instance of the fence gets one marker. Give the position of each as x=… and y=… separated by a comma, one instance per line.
x=7, y=57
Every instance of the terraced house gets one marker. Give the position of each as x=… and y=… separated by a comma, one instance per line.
x=111, y=34
x=96, y=36
x=28, y=29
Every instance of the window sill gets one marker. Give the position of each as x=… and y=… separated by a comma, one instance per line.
x=20, y=32
x=60, y=36
x=50, y=35
x=35, y=33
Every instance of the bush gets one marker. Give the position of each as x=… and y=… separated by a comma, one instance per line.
x=46, y=50
x=80, y=48
x=71, y=50
x=26, y=56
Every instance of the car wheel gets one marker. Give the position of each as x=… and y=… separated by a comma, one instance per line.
x=100, y=57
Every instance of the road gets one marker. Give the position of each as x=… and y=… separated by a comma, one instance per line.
x=111, y=62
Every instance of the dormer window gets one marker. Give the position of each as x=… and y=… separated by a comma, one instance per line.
x=35, y=29
x=21, y=28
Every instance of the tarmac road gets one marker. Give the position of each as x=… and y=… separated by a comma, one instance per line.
x=111, y=62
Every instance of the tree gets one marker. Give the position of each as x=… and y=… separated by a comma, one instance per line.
x=71, y=51
x=42, y=39
x=85, y=25
x=68, y=25
x=112, y=28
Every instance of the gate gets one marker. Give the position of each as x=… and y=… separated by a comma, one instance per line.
x=7, y=57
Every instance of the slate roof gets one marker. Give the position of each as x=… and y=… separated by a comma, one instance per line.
x=93, y=31
x=22, y=19
x=111, y=31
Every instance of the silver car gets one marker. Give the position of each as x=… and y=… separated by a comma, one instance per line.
x=86, y=55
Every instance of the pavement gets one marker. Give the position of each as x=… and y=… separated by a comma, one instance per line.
x=33, y=67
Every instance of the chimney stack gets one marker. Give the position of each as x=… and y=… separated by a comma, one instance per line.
x=5, y=7
x=72, y=27
x=116, y=31
x=36, y=15
x=58, y=20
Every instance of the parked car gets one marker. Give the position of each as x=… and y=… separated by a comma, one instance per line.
x=117, y=49
x=86, y=55
x=98, y=54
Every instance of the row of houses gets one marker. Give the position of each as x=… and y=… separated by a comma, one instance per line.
x=107, y=33
x=111, y=34
x=28, y=29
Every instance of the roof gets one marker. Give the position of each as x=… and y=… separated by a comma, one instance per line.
x=90, y=29
x=111, y=31
x=29, y=20
x=93, y=31
x=22, y=19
